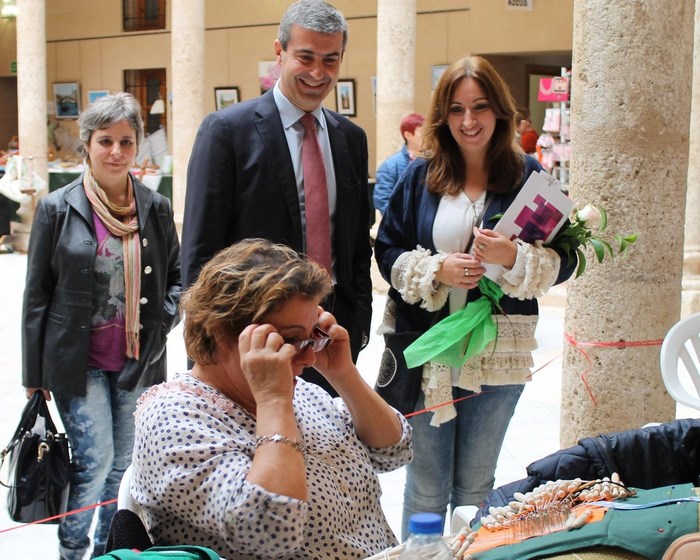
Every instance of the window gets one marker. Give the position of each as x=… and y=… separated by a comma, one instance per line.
x=142, y=15
x=147, y=86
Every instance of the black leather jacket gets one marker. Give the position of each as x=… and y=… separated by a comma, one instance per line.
x=59, y=291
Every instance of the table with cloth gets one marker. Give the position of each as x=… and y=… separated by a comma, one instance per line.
x=632, y=534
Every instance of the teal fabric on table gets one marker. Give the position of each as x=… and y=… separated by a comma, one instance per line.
x=648, y=532
x=176, y=552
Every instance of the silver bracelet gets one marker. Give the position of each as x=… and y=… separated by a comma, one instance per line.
x=279, y=438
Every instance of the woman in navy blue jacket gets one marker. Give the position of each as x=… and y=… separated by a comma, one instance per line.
x=472, y=171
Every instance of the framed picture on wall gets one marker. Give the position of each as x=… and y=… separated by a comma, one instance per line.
x=66, y=98
x=435, y=73
x=94, y=95
x=225, y=96
x=345, y=97
x=268, y=73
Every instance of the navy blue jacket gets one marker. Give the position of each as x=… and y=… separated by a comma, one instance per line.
x=408, y=222
x=241, y=184
x=644, y=458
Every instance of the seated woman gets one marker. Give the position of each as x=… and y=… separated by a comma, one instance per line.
x=241, y=455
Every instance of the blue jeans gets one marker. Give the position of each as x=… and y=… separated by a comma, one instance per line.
x=454, y=464
x=100, y=429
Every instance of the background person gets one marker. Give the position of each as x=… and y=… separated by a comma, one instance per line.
x=242, y=456
x=245, y=177
x=471, y=169
x=526, y=133
x=102, y=293
x=391, y=168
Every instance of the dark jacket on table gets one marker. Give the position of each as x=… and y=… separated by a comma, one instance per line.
x=60, y=284
x=645, y=458
x=241, y=184
x=408, y=222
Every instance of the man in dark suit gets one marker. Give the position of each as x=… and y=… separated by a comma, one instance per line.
x=245, y=175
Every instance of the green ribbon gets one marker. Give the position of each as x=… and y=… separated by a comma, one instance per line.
x=461, y=335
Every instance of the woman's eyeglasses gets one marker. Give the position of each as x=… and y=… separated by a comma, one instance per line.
x=318, y=341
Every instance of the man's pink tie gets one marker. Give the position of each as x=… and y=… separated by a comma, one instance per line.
x=318, y=227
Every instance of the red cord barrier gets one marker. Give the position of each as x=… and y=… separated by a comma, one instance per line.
x=59, y=516
x=423, y=411
x=93, y=506
x=598, y=344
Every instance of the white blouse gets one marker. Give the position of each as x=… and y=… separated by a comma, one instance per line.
x=194, y=448
x=456, y=217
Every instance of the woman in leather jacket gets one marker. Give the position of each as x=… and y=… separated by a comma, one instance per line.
x=102, y=293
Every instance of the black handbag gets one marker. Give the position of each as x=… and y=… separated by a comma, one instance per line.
x=396, y=383
x=39, y=466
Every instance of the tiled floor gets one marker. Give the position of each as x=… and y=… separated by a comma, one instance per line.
x=534, y=431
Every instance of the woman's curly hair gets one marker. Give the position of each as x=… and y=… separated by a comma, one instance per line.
x=241, y=285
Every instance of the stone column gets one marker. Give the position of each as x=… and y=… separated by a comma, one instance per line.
x=188, y=90
x=396, y=54
x=631, y=87
x=31, y=105
x=691, y=264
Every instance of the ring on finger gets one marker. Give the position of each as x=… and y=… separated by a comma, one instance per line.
x=482, y=246
x=466, y=271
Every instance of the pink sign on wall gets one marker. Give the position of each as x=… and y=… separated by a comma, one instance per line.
x=553, y=89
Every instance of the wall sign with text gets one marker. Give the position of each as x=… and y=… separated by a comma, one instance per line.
x=553, y=89
x=519, y=5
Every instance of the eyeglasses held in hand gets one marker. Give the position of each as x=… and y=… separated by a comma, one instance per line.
x=318, y=341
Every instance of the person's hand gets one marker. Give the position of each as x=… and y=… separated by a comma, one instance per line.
x=335, y=359
x=29, y=391
x=494, y=248
x=266, y=362
x=460, y=270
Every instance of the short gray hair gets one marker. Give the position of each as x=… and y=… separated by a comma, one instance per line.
x=108, y=110
x=314, y=15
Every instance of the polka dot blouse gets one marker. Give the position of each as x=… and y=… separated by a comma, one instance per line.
x=193, y=450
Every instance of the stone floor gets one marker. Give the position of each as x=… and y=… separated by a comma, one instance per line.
x=533, y=433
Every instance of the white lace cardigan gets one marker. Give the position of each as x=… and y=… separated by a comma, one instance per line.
x=505, y=361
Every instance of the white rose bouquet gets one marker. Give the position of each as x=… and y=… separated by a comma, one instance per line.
x=584, y=229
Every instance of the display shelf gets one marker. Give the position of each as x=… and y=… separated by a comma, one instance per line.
x=554, y=144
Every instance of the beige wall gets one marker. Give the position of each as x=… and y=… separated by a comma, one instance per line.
x=85, y=44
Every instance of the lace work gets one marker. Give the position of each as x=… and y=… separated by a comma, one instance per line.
x=413, y=275
x=506, y=361
x=533, y=274
x=181, y=385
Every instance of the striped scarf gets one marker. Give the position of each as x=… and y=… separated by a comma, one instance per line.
x=122, y=221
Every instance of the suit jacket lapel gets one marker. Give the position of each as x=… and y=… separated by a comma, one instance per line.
x=339, y=149
x=269, y=127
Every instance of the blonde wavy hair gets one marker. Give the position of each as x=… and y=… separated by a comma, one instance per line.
x=239, y=286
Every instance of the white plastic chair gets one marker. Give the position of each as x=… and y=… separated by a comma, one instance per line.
x=461, y=517
x=682, y=343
